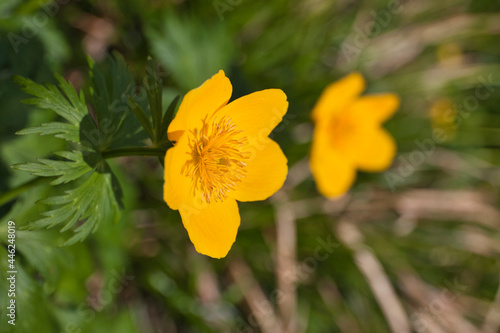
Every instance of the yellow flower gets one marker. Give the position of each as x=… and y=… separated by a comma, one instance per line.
x=348, y=134
x=222, y=154
x=443, y=117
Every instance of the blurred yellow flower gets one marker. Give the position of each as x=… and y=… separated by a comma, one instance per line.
x=222, y=153
x=348, y=134
x=443, y=117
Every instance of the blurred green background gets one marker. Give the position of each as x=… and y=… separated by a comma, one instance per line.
x=414, y=249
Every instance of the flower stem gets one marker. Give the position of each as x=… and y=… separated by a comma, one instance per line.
x=129, y=151
x=16, y=191
x=134, y=151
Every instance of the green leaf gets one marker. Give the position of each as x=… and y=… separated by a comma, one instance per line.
x=73, y=168
x=94, y=195
x=169, y=116
x=59, y=130
x=157, y=129
x=142, y=117
x=92, y=201
x=154, y=91
x=112, y=83
x=67, y=104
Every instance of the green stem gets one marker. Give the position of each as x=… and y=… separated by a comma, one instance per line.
x=129, y=151
x=14, y=192
x=134, y=151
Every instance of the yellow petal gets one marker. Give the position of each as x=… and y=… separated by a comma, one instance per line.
x=332, y=171
x=378, y=107
x=266, y=173
x=374, y=151
x=212, y=227
x=206, y=99
x=257, y=114
x=177, y=187
x=338, y=95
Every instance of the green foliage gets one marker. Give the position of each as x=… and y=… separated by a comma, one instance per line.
x=190, y=50
x=110, y=124
x=66, y=171
x=62, y=99
x=95, y=195
x=7, y=6
x=92, y=201
x=157, y=128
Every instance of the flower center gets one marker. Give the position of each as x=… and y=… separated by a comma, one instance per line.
x=341, y=128
x=218, y=159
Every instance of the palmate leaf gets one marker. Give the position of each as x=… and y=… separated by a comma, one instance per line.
x=73, y=168
x=112, y=84
x=156, y=128
x=62, y=99
x=95, y=196
x=59, y=130
x=92, y=201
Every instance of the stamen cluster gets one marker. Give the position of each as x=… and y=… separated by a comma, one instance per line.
x=218, y=159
